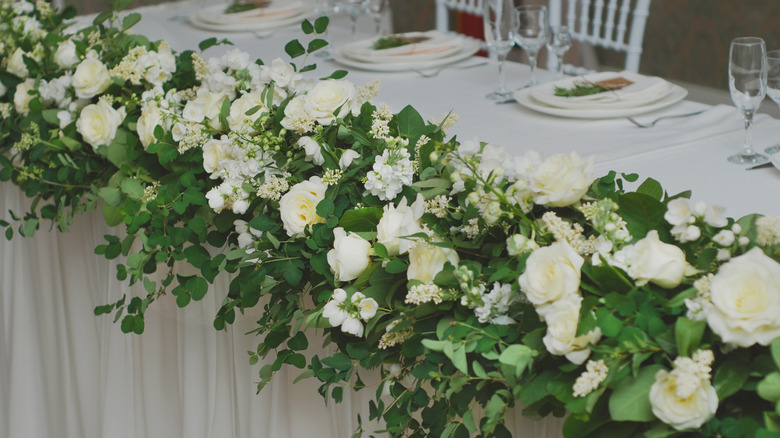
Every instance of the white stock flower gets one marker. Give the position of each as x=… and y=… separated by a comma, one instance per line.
x=22, y=96
x=313, y=150
x=426, y=260
x=347, y=157
x=298, y=207
x=561, y=179
x=55, y=91
x=16, y=64
x=150, y=118
x=349, y=256
x=403, y=220
x=657, y=262
x=682, y=412
x=551, y=273
x=330, y=99
x=745, y=300
x=99, y=122
x=91, y=77
x=65, y=56
x=238, y=120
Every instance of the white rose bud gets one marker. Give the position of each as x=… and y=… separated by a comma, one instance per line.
x=238, y=120
x=313, y=150
x=91, y=77
x=213, y=153
x=327, y=97
x=349, y=256
x=99, y=122
x=298, y=207
x=426, y=260
x=65, y=56
x=150, y=118
x=400, y=221
x=16, y=64
x=551, y=273
x=657, y=262
x=22, y=96
x=562, y=318
x=561, y=179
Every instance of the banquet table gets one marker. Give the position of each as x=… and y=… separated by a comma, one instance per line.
x=67, y=373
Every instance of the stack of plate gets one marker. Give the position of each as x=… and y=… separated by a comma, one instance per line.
x=644, y=94
x=276, y=14
x=433, y=49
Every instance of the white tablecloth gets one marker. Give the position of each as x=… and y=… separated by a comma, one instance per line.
x=66, y=373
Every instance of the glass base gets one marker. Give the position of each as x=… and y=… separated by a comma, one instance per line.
x=748, y=159
x=500, y=95
x=771, y=150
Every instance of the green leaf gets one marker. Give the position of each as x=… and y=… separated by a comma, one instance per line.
x=321, y=24
x=364, y=219
x=197, y=287
x=339, y=361
x=307, y=27
x=325, y=208
x=688, y=335
x=641, y=213
x=132, y=187
x=652, y=188
x=294, y=49
x=519, y=356
x=112, y=215
x=298, y=342
x=774, y=348
x=410, y=123
x=631, y=401
x=769, y=387
x=111, y=195
x=130, y=20
x=730, y=376
x=396, y=266
x=316, y=44
x=609, y=323
x=205, y=44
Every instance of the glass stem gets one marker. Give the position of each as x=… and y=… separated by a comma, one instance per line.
x=354, y=27
x=532, y=61
x=378, y=23
x=560, y=66
x=747, y=149
x=501, y=75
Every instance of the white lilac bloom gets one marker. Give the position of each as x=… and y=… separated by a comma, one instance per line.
x=391, y=172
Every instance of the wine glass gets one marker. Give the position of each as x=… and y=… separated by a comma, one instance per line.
x=353, y=9
x=747, y=84
x=497, y=16
x=325, y=8
x=773, y=86
x=377, y=9
x=530, y=32
x=558, y=44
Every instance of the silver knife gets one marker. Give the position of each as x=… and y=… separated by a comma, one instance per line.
x=760, y=166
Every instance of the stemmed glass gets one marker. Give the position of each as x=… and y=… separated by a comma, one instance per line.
x=773, y=86
x=747, y=84
x=530, y=32
x=377, y=9
x=558, y=44
x=497, y=16
x=353, y=8
x=325, y=8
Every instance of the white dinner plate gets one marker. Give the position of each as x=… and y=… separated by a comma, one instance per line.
x=437, y=45
x=250, y=26
x=676, y=94
x=775, y=158
x=468, y=49
x=276, y=10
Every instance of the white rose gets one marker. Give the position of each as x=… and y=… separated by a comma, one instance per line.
x=327, y=97
x=682, y=413
x=352, y=326
x=22, y=96
x=657, y=262
x=349, y=256
x=493, y=159
x=313, y=150
x=551, y=273
x=16, y=64
x=238, y=120
x=150, y=118
x=745, y=300
x=99, y=122
x=213, y=153
x=66, y=56
x=281, y=72
x=206, y=105
x=298, y=207
x=91, y=77
x=426, y=260
x=346, y=158
x=561, y=179
x=3, y=89
x=400, y=221
x=236, y=59
x=562, y=318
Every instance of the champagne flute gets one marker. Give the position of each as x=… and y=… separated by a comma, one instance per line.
x=377, y=9
x=497, y=17
x=353, y=8
x=773, y=86
x=530, y=32
x=325, y=8
x=747, y=84
x=558, y=44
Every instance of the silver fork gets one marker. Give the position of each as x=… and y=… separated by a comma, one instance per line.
x=434, y=72
x=671, y=116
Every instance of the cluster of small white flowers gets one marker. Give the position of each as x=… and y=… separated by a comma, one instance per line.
x=423, y=140
x=683, y=215
x=194, y=136
x=446, y=121
x=43, y=7
x=347, y=313
x=471, y=230
x=332, y=176
x=55, y=92
x=424, y=293
x=230, y=194
x=690, y=371
x=518, y=244
x=391, y=339
x=604, y=218
x=368, y=92
x=437, y=206
x=391, y=172
x=5, y=110
x=487, y=203
x=695, y=305
x=768, y=230
x=150, y=191
x=274, y=186
x=564, y=231
x=200, y=66
x=381, y=117
x=25, y=142
x=595, y=373
x=492, y=306
x=128, y=68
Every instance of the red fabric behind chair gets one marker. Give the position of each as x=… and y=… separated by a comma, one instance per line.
x=470, y=25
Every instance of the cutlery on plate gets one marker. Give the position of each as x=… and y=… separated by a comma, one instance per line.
x=760, y=166
x=436, y=71
x=671, y=116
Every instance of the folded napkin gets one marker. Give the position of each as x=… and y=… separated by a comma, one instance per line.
x=643, y=91
x=436, y=45
x=276, y=10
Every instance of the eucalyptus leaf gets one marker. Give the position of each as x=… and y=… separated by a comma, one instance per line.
x=630, y=401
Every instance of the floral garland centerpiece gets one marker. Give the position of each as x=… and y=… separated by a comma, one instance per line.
x=468, y=277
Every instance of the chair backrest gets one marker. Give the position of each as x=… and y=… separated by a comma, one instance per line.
x=602, y=23
x=443, y=8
